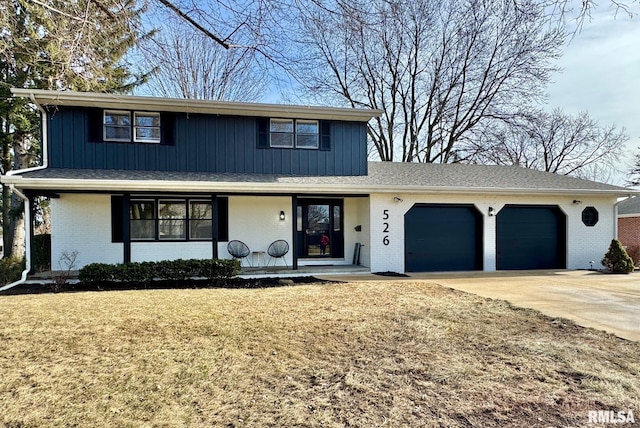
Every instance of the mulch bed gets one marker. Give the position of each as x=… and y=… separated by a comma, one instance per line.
x=238, y=283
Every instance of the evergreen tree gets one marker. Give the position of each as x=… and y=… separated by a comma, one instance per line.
x=616, y=259
x=75, y=45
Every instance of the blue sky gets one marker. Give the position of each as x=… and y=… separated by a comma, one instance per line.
x=601, y=74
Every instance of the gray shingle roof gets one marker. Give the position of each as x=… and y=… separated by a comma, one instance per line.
x=382, y=176
x=629, y=206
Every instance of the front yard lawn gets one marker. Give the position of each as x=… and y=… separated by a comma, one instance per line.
x=357, y=354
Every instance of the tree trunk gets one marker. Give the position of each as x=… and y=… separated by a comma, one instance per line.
x=16, y=225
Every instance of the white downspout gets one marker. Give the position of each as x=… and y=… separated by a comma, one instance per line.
x=27, y=239
x=27, y=203
x=45, y=142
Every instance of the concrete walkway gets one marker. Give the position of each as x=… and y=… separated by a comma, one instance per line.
x=591, y=299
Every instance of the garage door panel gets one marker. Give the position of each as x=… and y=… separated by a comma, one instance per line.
x=443, y=238
x=531, y=237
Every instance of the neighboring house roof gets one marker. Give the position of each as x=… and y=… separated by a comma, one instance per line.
x=383, y=177
x=119, y=102
x=629, y=207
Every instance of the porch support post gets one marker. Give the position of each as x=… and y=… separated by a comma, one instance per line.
x=214, y=226
x=294, y=230
x=126, y=234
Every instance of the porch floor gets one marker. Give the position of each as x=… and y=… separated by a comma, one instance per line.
x=288, y=272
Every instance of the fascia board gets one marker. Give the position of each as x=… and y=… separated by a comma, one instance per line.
x=205, y=186
x=130, y=102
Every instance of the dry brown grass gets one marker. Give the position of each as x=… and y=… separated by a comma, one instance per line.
x=361, y=354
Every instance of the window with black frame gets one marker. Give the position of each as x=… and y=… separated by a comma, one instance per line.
x=169, y=219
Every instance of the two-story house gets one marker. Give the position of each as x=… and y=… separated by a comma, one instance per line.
x=141, y=178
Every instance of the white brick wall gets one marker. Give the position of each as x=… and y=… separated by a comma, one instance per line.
x=584, y=243
x=83, y=223
x=255, y=220
x=156, y=251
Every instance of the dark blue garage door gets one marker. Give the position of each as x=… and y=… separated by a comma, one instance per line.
x=442, y=238
x=531, y=237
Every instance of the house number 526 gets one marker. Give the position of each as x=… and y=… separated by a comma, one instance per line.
x=385, y=228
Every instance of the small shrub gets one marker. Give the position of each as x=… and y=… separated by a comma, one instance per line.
x=10, y=270
x=145, y=273
x=66, y=264
x=616, y=260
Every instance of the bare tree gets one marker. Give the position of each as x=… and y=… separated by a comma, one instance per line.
x=191, y=65
x=437, y=69
x=555, y=142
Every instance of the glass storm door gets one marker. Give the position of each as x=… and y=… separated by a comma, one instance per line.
x=319, y=229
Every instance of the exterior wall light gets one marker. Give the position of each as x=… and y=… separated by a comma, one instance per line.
x=491, y=212
x=282, y=217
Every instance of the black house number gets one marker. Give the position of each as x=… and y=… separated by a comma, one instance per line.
x=385, y=228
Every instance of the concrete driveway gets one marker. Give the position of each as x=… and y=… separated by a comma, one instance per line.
x=591, y=299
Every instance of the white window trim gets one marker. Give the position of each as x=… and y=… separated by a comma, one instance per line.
x=104, y=125
x=317, y=134
x=295, y=134
x=292, y=133
x=134, y=127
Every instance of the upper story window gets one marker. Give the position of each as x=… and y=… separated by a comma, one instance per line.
x=146, y=127
x=118, y=126
x=289, y=133
x=281, y=131
x=307, y=134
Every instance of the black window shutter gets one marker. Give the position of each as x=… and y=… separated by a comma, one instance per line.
x=117, y=234
x=263, y=132
x=168, y=126
x=94, y=124
x=223, y=219
x=325, y=135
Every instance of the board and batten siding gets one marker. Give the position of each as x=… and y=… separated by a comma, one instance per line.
x=200, y=143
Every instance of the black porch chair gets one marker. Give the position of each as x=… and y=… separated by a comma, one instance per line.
x=238, y=250
x=277, y=250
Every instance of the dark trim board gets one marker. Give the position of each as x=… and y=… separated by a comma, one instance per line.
x=57, y=193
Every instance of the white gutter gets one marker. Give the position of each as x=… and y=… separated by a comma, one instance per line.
x=45, y=141
x=27, y=239
x=180, y=105
x=27, y=203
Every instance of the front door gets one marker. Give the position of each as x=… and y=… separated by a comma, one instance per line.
x=319, y=228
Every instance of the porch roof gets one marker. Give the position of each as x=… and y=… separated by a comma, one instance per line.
x=383, y=177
